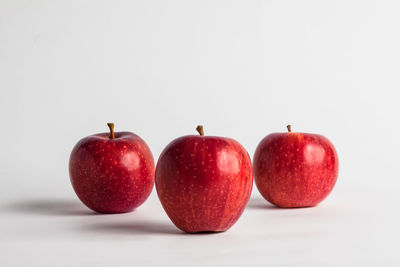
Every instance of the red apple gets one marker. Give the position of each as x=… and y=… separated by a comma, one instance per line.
x=112, y=172
x=204, y=182
x=294, y=170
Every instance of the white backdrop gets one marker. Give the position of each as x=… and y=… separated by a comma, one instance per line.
x=158, y=68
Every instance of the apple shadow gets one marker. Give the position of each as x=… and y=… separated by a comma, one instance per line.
x=260, y=203
x=133, y=228
x=141, y=228
x=51, y=207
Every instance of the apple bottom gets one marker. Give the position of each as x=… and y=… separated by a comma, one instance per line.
x=306, y=188
x=111, y=198
x=199, y=208
x=298, y=197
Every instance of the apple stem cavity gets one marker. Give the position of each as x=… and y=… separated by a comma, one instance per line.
x=289, y=128
x=111, y=126
x=200, y=130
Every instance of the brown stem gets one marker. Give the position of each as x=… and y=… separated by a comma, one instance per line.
x=289, y=128
x=200, y=130
x=111, y=126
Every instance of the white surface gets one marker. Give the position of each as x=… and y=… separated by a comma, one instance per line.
x=159, y=68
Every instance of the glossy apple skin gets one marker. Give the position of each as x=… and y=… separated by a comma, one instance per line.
x=112, y=176
x=204, y=183
x=293, y=170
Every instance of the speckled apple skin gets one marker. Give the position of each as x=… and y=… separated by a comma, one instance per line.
x=204, y=183
x=293, y=170
x=112, y=176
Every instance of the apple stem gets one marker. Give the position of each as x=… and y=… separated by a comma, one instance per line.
x=200, y=130
x=289, y=128
x=111, y=126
